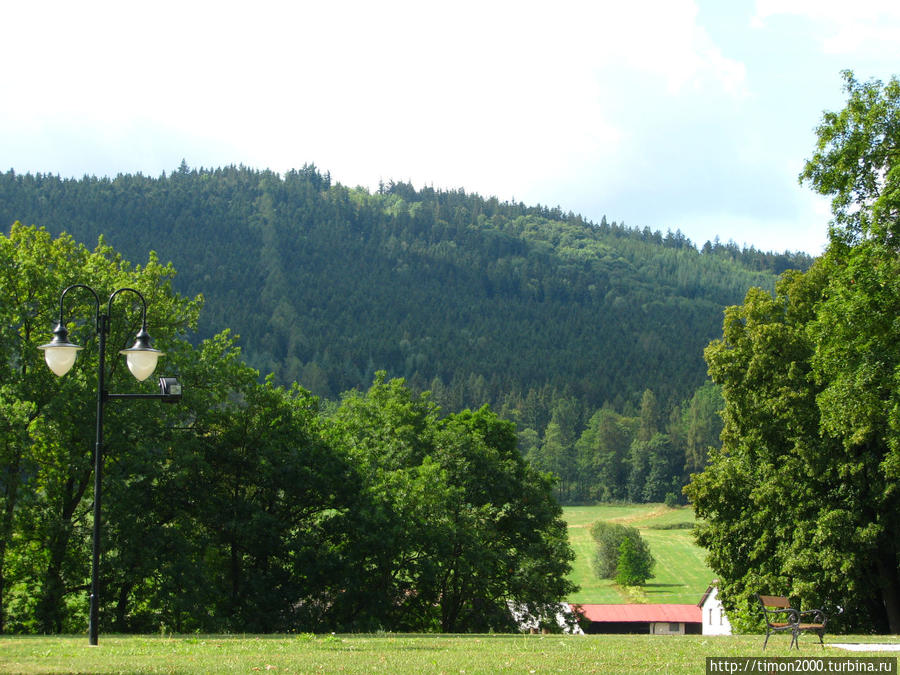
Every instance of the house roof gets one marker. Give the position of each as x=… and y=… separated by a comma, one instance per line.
x=709, y=589
x=641, y=613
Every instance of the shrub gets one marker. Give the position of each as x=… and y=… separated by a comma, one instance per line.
x=633, y=568
x=608, y=556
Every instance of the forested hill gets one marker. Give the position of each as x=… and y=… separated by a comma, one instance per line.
x=478, y=300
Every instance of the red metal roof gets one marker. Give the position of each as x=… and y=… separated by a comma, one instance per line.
x=642, y=613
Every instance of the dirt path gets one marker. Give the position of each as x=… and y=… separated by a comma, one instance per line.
x=646, y=515
x=655, y=513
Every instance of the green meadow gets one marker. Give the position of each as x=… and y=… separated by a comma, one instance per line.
x=680, y=576
x=391, y=653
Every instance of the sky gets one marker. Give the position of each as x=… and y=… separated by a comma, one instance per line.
x=690, y=115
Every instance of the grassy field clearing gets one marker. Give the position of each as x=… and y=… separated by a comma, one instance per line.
x=681, y=574
x=681, y=577
x=388, y=653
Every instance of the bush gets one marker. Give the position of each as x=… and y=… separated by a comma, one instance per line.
x=633, y=568
x=609, y=554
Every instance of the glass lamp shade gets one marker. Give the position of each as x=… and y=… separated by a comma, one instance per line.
x=59, y=353
x=141, y=357
x=141, y=361
x=60, y=356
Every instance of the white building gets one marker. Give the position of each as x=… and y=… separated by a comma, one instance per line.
x=714, y=619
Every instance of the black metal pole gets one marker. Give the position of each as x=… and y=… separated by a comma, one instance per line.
x=142, y=344
x=94, y=628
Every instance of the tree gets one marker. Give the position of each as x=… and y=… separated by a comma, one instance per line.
x=857, y=162
x=602, y=451
x=508, y=526
x=856, y=333
x=329, y=284
x=557, y=456
x=46, y=433
x=453, y=524
x=750, y=496
x=223, y=512
x=703, y=426
x=649, y=417
x=664, y=469
x=632, y=569
x=243, y=507
x=856, y=366
x=801, y=498
x=610, y=539
x=275, y=500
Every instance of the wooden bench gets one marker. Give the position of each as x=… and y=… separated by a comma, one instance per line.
x=780, y=617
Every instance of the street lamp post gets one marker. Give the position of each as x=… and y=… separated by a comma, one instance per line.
x=141, y=358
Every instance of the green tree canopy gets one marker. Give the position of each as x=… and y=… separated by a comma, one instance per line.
x=47, y=428
x=633, y=569
x=857, y=162
x=802, y=497
x=454, y=524
x=244, y=507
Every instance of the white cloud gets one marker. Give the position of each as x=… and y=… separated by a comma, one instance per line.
x=599, y=106
x=865, y=29
x=474, y=73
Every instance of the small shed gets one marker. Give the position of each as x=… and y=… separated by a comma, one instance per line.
x=653, y=619
x=715, y=621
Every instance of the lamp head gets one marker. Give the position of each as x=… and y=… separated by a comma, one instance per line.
x=141, y=357
x=59, y=353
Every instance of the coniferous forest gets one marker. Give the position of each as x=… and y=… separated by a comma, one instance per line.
x=589, y=336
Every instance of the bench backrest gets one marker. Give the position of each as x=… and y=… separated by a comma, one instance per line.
x=778, y=601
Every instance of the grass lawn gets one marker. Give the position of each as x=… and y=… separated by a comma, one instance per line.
x=681, y=576
x=389, y=653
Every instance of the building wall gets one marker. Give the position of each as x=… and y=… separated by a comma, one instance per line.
x=715, y=621
x=618, y=627
x=643, y=627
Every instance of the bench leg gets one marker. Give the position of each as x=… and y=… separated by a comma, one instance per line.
x=795, y=642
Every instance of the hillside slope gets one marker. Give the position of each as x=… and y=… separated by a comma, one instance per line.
x=478, y=300
x=681, y=574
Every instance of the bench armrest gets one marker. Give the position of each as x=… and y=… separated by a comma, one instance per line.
x=817, y=616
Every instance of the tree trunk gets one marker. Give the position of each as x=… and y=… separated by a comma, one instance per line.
x=50, y=611
x=121, y=620
x=11, y=481
x=890, y=587
x=2, y=587
x=49, y=606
